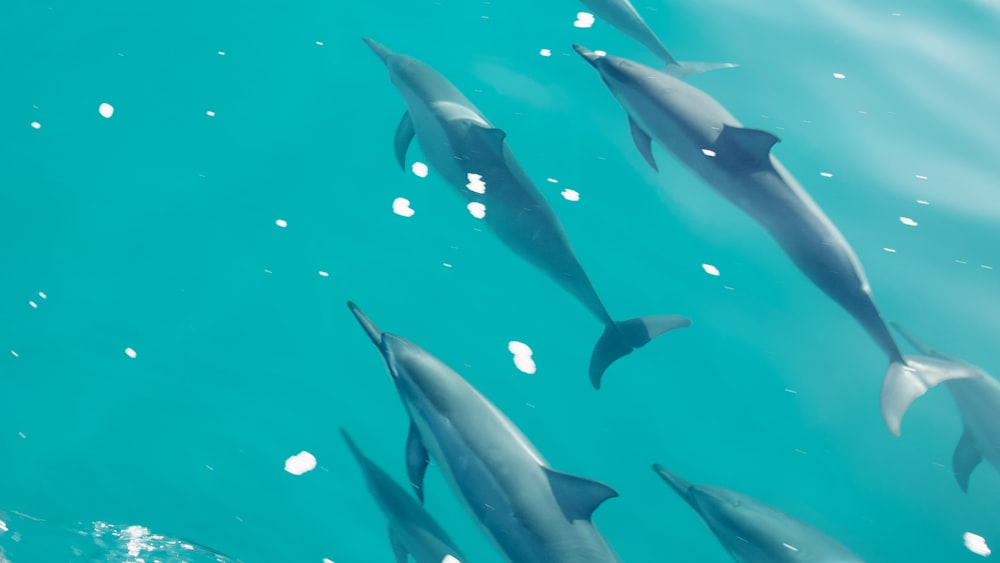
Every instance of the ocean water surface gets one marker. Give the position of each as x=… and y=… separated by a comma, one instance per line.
x=175, y=267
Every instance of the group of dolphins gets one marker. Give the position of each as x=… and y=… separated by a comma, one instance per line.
x=530, y=511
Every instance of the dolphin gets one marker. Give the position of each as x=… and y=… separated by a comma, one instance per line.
x=736, y=161
x=531, y=512
x=472, y=156
x=621, y=15
x=754, y=532
x=412, y=530
x=978, y=402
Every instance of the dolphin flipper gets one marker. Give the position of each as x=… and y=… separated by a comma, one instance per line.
x=399, y=550
x=905, y=381
x=642, y=142
x=403, y=138
x=578, y=496
x=965, y=459
x=687, y=68
x=620, y=338
x=416, y=461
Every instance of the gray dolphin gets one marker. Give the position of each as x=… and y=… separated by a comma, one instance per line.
x=531, y=512
x=978, y=402
x=473, y=157
x=754, y=532
x=412, y=530
x=737, y=163
x=621, y=15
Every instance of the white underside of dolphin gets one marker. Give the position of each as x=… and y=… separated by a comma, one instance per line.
x=737, y=163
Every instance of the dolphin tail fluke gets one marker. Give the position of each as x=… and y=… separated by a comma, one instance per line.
x=687, y=68
x=620, y=338
x=905, y=381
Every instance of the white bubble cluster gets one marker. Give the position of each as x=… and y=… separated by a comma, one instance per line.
x=976, y=544
x=522, y=356
x=584, y=20
x=300, y=463
x=401, y=206
x=476, y=183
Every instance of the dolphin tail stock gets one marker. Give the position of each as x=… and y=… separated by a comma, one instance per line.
x=911, y=378
x=621, y=337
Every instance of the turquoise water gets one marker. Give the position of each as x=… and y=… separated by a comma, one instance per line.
x=155, y=230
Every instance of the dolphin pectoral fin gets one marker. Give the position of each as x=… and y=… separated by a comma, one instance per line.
x=904, y=382
x=578, y=496
x=399, y=550
x=750, y=147
x=403, y=138
x=416, y=461
x=965, y=459
x=680, y=486
x=620, y=338
x=642, y=142
x=687, y=68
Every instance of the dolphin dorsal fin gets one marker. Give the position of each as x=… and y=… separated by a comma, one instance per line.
x=965, y=459
x=404, y=136
x=416, y=461
x=577, y=496
x=492, y=137
x=751, y=147
x=399, y=550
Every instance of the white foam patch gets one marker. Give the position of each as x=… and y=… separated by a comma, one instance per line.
x=790, y=547
x=222, y=53
x=708, y=152
x=281, y=223
x=921, y=177
x=33, y=304
x=36, y=125
x=891, y=250
x=325, y=560
x=300, y=463
x=600, y=53
x=710, y=269
x=584, y=20
x=106, y=110
x=923, y=202
x=571, y=195
x=908, y=221
x=401, y=206
x=42, y=295
x=477, y=209
x=839, y=76
x=130, y=352
x=518, y=348
x=545, y=52
x=476, y=184
x=324, y=274
x=419, y=169
x=826, y=174
x=976, y=544
x=525, y=364
x=15, y=354
x=320, y=43
x=447, y=559
x=552, y=180
x=3, y=527
x=210, y=113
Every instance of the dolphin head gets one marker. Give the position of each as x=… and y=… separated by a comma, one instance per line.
x=720, y=508
x=423, y=381
x=406, y=72
x=614, y=70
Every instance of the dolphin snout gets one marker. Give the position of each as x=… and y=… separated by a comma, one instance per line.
x=680, y=486
x=587, y=54
x=377, y=48
x=373, y=331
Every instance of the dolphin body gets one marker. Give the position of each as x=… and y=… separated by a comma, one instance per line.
x=978, y=402
x=531, y=512
x=737, y=163
x=621, y=15
x=412, y=530
x=473, y=157
x=754, y=532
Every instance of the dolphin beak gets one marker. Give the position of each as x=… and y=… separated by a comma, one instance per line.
x=350, y=444
x=587, y=54
x=373, y=331
x=377, y=48
x=680, y=486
